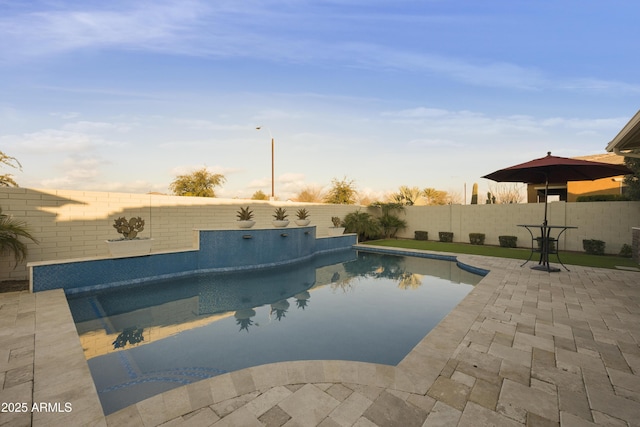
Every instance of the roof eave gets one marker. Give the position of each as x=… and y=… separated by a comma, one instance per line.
x=627, y=139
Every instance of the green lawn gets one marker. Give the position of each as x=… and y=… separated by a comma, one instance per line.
x=568, y=258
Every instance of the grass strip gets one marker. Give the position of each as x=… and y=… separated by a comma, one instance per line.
x=568, y=258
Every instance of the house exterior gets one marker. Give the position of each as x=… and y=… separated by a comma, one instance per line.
x=626, y=140
x=570, y=191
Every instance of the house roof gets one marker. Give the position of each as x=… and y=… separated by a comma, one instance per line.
x=610, y=158
x=628, y=138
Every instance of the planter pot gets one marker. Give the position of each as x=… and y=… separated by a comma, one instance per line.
x=336, y=231
x=246, y=223
x=277, y=223
x=302, y=222
x=123, y=248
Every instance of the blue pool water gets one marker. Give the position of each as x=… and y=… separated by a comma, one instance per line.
x=143, y=340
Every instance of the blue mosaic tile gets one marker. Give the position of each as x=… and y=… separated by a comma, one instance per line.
x=220, y=251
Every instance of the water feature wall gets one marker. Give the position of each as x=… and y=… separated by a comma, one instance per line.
x=216, y=250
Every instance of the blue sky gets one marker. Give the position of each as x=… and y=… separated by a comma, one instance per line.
x=125, y=95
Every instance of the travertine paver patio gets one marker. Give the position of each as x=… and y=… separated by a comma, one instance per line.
x=523, y=348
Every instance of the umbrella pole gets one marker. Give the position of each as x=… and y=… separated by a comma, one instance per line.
x=546, y=198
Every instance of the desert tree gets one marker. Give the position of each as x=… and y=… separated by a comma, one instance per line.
x=309, y=194
x=6, y=180
x=200, y=183
x=259, y=195
x=342, y=192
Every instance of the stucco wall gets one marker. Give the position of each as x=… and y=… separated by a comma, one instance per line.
x=74, y=224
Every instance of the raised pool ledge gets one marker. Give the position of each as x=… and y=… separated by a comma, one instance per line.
x=215, y=251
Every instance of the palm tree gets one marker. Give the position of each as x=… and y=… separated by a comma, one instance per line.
x=407, y=195
x=10, y=232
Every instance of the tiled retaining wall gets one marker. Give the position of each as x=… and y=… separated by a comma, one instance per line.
x=74, y=224
x=219, y=250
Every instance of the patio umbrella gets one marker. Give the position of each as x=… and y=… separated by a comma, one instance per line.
x=556, y=169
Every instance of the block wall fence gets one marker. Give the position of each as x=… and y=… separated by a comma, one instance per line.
x=74, y=224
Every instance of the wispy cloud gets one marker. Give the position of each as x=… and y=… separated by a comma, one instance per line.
x=291, y=32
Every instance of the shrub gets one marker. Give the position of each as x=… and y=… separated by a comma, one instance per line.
x=552, y=244
x=508, y=241
x=421, y=235
x=476, y=238
x=626, y=251
x=363, y=224
x=445, y=236
x=593, y=246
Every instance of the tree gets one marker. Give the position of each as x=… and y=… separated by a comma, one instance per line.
x=407, y=195
x=11, y=231
x=199, y=183
x=309, y=194
x=342, y=192
x=435, y=197
x=259, y=195
x=6, y=180
x=632, y=182
x=507, y=193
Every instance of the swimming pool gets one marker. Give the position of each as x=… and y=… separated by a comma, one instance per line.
x=143, y=340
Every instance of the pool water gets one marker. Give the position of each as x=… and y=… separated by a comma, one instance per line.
x=143, y=340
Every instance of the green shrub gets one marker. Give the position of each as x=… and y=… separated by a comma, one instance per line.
x=626, y=251
x=476, y=238
x=593, y=246
x=421, y=235
x=363, y=224
x=508, y=241
x=603, y=198
x=445, y=236
x=552, y=244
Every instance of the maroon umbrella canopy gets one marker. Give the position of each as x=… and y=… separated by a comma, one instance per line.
x=557, y=169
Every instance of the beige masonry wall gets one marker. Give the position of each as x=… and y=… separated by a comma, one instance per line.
x=610, y=222
x=75, y=224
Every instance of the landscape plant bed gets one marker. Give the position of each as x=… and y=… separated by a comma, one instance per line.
x=14, y=285
x=568, y=258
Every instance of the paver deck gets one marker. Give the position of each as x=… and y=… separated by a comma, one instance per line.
x=523, y=348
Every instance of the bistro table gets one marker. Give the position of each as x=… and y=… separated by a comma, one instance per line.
x=545, y=245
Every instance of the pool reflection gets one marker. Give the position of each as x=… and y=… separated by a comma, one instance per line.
x=368, y=307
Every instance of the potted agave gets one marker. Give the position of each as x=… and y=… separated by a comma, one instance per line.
x=245, y=218
x=303, y=217
x=337, y=229
x=280, y=218
x=129, y=244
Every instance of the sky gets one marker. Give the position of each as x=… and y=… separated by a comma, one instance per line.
x=126, y=95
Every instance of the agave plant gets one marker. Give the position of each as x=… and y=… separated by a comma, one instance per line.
x=280, y=214
x=11, y=230
x=302, y=213
x=245, y=214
